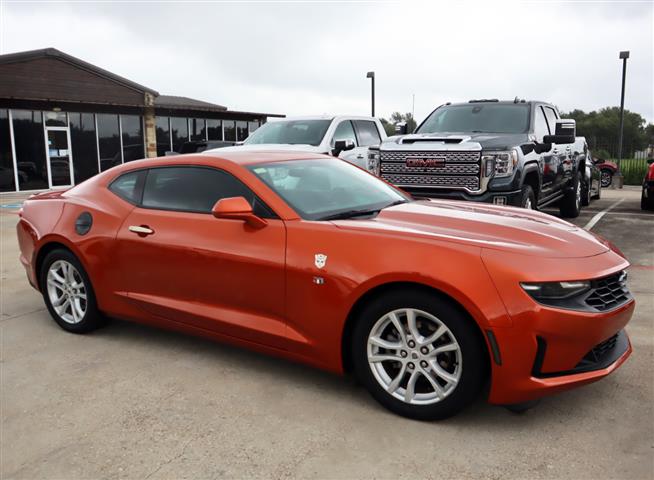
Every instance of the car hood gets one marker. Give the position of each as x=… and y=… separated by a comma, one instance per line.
x=504, y=228
x=270, y=147
x=455, y=141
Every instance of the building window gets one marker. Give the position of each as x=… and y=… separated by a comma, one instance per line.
x=198, y=130
x=84, y=145
x=108, y=141
x=252, y=126
x=163, y=136
x=7, y=180
x=214, y=130
x=241, y=130
x=30, y=150
x=179, y=129
x=132, y=130
x=229, y=128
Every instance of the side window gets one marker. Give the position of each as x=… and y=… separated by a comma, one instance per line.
x=540, y=125
x=128, y=186
x=550, y=114
x=344, y=131
x=368, y=133
x=195, y=189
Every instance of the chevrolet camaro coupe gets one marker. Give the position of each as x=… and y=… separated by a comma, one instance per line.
x=428, y=302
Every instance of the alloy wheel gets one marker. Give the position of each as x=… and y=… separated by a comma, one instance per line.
x=605, y=179
x=66, y=291
x=414, y=356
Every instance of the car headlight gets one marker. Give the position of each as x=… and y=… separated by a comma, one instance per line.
x=504, y=162
x=545, y=291
x=373, y=162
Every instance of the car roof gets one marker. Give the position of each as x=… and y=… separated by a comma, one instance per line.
x=218, y=156
x=500, y=102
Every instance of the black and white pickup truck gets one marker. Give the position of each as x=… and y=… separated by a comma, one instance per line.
x=517, y=153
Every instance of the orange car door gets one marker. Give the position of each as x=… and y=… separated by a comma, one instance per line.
x=181, y=263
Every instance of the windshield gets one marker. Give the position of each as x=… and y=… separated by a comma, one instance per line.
x=294, y=132
x=322, y=188
x=478, y=118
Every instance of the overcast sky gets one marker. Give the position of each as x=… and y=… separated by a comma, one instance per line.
x=302, y=58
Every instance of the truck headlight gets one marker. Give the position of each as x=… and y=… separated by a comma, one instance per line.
x=504, y=162
x=555, y=290
x=373, y=162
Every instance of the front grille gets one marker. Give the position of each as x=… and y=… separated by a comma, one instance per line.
x=609, y=292
x=458, y=170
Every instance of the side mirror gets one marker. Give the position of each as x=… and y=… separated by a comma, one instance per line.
x=565, y=132
x=237, y=208
x=401, y=128
x=342, y=146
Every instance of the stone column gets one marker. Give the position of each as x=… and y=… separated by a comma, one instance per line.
x=149, y=119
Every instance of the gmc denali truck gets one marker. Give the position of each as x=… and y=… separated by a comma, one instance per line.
x=517, y=153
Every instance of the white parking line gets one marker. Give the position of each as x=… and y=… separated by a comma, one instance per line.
x=598, y=216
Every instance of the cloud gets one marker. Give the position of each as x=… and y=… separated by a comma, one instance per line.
x=303, y=58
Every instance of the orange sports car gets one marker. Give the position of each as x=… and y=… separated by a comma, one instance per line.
x=310, y=258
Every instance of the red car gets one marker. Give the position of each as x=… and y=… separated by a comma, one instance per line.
x=607, y=169
x=310, y=258
x=647, y=196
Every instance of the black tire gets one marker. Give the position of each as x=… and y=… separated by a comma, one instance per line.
x=527, y=198
x=473, y=355
x=520, y=408
x=606, y=177
x=585, y=193
x=571, y=202
x=646, y=203
x=91, y=318
x=598, y=195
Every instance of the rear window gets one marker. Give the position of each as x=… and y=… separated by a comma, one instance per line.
x=127, y=186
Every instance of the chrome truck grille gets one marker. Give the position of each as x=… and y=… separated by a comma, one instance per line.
x=444, y=169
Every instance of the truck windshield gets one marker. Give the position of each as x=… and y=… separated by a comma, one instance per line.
x=478, y=118
x=294, y=132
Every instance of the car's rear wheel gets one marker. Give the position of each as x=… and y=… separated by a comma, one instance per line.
x=68, y=292
x=646, y=203
x=418, y=355
x=571, y=202
x=606, y=177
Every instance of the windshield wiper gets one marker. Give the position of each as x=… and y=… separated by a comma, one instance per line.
x=359, y=213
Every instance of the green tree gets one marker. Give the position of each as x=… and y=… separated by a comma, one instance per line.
x=601, y=129
x=396, y=117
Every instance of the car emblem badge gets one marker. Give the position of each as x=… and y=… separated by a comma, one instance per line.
x=320, y=260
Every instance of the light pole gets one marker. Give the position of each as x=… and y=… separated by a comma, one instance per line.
x=371, y=76
x=624, y=56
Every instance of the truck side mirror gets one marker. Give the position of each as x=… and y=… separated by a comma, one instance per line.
x=565, y=132
x=401, y=128
x=342, y=146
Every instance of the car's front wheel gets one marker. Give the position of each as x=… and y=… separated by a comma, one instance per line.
x=68, y=293
x=606, y=177
x=418, y=355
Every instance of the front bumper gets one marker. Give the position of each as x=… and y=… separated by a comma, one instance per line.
x=545, y=349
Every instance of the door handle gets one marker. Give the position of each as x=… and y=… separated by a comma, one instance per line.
x=360, y=157
x=141, y=229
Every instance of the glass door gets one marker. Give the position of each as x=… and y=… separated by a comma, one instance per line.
x=60, y=168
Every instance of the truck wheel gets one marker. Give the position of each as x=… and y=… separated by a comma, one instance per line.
x=585, y=194
x=527, y=198
x=571, y=202
x=418, y=355
x=607, y=177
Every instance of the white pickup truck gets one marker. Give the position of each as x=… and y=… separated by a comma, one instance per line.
x=346, y=137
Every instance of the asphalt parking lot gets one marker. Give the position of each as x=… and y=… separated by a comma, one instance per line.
x=130, y=401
